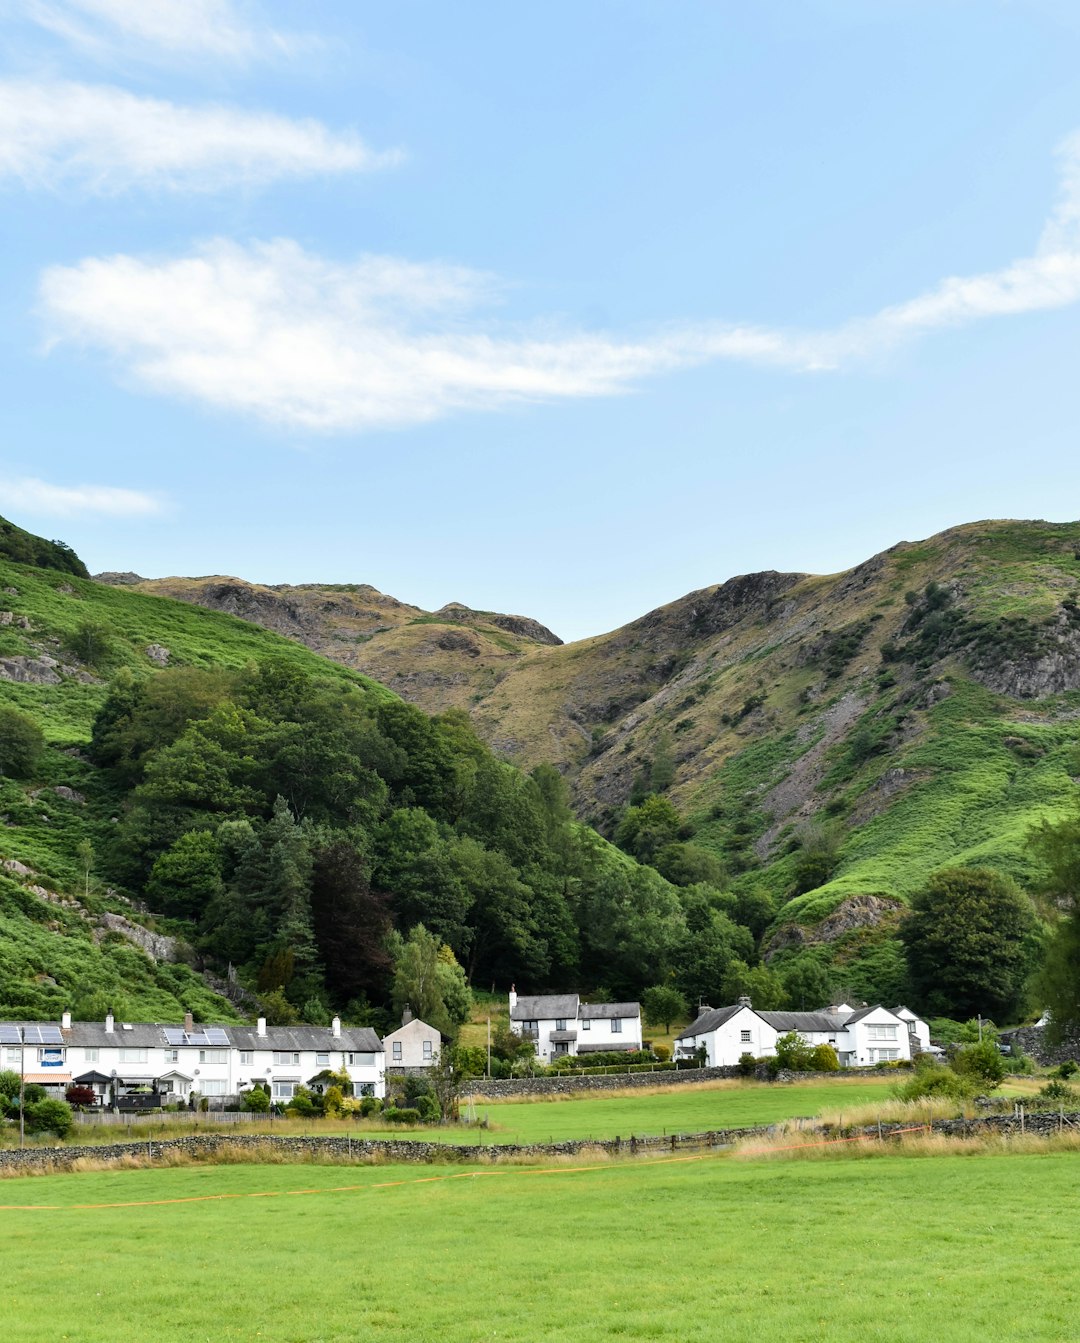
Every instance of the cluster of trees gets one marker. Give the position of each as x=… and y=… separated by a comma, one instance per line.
x=345, y=851
x=41, y=1112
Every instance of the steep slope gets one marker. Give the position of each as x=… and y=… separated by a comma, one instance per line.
x=918, y=710
x=439, y=660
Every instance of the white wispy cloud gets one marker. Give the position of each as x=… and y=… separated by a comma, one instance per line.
x=272, y=330
x=39, y=498
x=162, y=28
x=105, y=140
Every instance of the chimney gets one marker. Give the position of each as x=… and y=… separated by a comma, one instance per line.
x=260, y=1028
x=744, y=1001
x=406, y=1015
x=109, y=1022
x=65, y=1022
x=335, y=1028
x=189, y=1023
x=513, y=997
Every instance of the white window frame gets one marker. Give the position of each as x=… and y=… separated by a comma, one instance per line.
x=284, y=1091
x=746, y=1037
x=428, y=1051
x=247, y=1058
x=286, y=1058
x=396, y=1047
x=322, y=1059
x=214, y=1086
x=586, y=1023
x=172, y=1056
x=616, y=1025
x=90, y=1055
x=213, y=1056
x=881, y=1031
x=131, y=1054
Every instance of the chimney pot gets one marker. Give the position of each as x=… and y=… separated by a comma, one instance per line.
x=260, y=1028
x=513, y=997
x=109, y=1022
x=65, y=1021
x=335, y=1027
x=744, y=1001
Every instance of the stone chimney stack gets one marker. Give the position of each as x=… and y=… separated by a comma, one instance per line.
x=335, y=1028
x=189, y=1023
x=407, y=1015
x=109, y=1022
x=65, y=1022
x=260, y=1027
x=513, y=997
x=744, y=1001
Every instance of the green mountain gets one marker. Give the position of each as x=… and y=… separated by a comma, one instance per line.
x=217, y=812
x=829, y=741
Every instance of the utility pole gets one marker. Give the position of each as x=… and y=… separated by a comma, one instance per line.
x=22, y=1085
x=489, y=1048
x=980, y=1028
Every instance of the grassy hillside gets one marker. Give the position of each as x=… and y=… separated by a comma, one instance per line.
x=918, y=710
x=66, y=938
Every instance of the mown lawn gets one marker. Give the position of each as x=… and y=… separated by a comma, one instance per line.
x=895, y=1250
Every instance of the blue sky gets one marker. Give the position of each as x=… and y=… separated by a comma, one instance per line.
x=562, y=309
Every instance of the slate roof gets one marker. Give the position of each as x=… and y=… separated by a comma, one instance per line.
x=804, y=1021
x=609, y=1048
x=562, y=1037
x=710, y=1020
x=151, y=1035
x=865, y=1012
x=553, y=1007
x=608, y=1011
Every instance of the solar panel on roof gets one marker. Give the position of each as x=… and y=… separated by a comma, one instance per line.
x=174, y=1035
x=216, y=1036
x=50, y=1035
x=9, y=1035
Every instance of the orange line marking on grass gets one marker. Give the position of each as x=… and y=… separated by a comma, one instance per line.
x=341, y=1188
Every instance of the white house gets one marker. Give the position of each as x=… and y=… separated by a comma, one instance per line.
x=561, y=1023
x=861, y=1037
x=128, y=1059
x=414, y=1044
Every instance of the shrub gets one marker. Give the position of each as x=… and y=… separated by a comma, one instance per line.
x=1058, y=1091
x=81, y=1096
x=21, y=743
x=370, y=1105
x=794, y=1053
x=302, y=1104
x=427, y=1107
x=1063, y=1070
x=935, y=1079
x=980, y=1061
x=823, y=1059
x=49, y=1116
x=662, y=1053
x=747, y=1065
x=333, y=1101
x=256, y=1101
x=394, y=1114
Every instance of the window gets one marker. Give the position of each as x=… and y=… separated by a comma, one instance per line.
x=52, y=1056
x=881, y=1032
x=172, y=1056
x=247, y=1057
x=283, y=1058
x=586, y=1024
x=367, y=1089
x=616, y=1025
x=362, y=1060
x=322, y=1060
x=90, y=1055
x=397, y=1051
x=213, y=1056
x=530, y=1030
x=884, y=1055
x=560, y=1024
x=213, y=1087
x=746, y=1037
x=132, y=1055
x=284, y=1091
x=427, y=1049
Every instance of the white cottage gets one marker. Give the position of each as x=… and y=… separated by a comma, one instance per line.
x=561, y=1023
x=861, y=1036
x=414, y=1044
x=142, y=1064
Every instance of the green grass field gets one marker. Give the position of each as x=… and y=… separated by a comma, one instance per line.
x=687, y=1109
x=895, y=1250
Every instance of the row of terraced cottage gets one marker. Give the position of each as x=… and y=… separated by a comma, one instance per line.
x=142, y=1064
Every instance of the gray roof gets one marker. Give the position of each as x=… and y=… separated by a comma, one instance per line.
x=804, y=1021
x=608, y=1011
x=151, y=1035
x=562, y=1037
x=865, y=1012
x=711, y=1019
x=553, y=1007
x=610, y=1048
